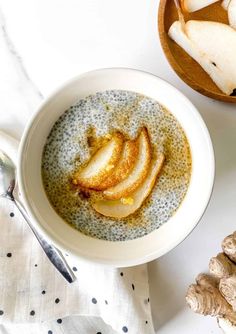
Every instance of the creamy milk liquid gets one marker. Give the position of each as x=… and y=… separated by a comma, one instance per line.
x=67, y=147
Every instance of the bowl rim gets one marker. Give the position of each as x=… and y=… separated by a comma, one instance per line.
x=56, y=241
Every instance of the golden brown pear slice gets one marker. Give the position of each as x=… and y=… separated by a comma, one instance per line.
x=102, y=163
x=139, y=172
x=123, y=167
x=117, y=208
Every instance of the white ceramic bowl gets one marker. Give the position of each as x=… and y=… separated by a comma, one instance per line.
x=124, y=253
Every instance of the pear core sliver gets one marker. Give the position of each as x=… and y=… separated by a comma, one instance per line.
x=102, y=163
x=116, y=209
x=138, y=173
x=204, y=42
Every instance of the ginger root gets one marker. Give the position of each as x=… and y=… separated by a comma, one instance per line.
x=205, y=298
x=215, y=294
x=227, y=288
x=207, y=281
x=221, y=266
x=229, y=246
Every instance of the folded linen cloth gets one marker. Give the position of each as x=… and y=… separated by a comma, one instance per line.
x=31, y=289
x=34, y=297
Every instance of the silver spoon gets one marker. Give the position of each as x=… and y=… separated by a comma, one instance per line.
x=7, y=185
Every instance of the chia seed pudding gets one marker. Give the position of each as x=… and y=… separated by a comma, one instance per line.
x=67, y=148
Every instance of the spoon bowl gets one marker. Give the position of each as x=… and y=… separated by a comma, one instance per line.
x=7, y=174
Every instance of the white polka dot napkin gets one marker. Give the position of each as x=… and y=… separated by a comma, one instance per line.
x=35, y=298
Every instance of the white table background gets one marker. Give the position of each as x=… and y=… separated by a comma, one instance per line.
x=57, y=39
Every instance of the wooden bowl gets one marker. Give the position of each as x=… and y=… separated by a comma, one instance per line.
x=185, y=66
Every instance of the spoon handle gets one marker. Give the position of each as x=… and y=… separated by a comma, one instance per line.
x=53, y=254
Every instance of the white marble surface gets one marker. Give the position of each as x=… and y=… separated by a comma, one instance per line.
x=53, y=40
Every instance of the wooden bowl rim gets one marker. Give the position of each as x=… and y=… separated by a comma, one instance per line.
x=175, y=65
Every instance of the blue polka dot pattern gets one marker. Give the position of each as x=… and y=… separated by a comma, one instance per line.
x=94, y=300
x=125, y=329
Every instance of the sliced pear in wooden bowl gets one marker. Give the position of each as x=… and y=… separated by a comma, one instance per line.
x=187, y=67
x=215, y=54
x=102, y=163
x=126, y=206
x=194, y=5
x=138, y=173
x=225, y=4
x=232, y=13
x=124, y=166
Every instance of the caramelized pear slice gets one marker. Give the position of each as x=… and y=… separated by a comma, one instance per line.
x=123, y=167
x=125, y=207
x=139, y=172
x=102, y=163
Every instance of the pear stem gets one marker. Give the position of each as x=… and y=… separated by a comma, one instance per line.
x=180, y=14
